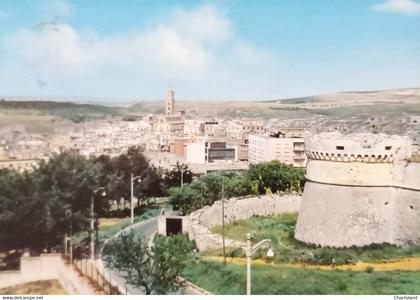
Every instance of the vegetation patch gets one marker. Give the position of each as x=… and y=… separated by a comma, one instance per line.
x=259, y=179
x=268, y=280
x=281, y=230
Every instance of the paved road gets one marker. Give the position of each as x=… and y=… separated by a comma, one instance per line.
x=147, y=229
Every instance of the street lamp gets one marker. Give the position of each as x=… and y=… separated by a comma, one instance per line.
x=92, y=220
x=132, y=179
x=69, y=239
x=249, y=252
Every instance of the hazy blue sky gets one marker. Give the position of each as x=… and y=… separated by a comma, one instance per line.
x=233, y=49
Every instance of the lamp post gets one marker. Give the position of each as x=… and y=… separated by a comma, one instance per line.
x=68, y=239
x=132, y=179
x=92, y=221
x=249, y=252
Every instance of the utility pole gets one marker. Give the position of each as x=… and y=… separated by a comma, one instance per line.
x=223, y=221
x=71, y=236
x=132, y=179
x=92, y=222
x=132, y=198
x=92, y=228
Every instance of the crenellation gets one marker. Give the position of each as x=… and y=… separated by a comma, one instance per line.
x=360, y=189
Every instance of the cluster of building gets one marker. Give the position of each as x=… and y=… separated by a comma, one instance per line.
x=205, y=144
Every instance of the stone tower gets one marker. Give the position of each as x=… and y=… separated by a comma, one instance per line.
x=361, y=189
x=170, y=102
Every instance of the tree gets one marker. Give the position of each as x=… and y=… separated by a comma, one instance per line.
x=15, y=209
x=275, y=176
x=66, y=181
x=173, y=177
x=154, y=269
x=133, y=162
x=186, y=199
x=151, y=186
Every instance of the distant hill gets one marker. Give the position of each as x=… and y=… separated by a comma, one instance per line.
x=407, y=95
x=155, y=107
x=49, y=105
x=71, y=111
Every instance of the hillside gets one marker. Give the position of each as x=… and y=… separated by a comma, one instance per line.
x=377, y=111
x=44, y=116
x=66, y=110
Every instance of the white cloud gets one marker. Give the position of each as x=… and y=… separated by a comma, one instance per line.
x=206, y=24
x=194, y=47
x=404, y=7
x=51, y=46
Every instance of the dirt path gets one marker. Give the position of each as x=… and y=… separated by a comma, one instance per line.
x=408, y=264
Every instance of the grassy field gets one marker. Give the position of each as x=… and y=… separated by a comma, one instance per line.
x=44, y=287
x=280, y=229
x=267, y=280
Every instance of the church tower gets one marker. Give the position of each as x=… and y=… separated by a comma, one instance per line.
x=170, y=102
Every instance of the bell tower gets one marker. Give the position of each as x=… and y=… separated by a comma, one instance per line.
x=170, y=102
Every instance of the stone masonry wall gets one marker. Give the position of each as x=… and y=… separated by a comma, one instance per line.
x=199, y=223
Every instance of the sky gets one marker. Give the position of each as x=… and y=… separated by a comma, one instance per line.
x=206, y=50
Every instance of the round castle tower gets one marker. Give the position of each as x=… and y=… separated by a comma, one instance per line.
x=360, y=189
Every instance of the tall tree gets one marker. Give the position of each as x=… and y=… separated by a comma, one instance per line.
x=179, y=173
x=66, y=181
x=186, y=199
x=16, y=194
x=276, y=176
x=134, y=162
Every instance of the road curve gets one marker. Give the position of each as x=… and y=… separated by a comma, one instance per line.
x=146, y=228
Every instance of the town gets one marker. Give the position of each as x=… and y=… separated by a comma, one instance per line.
x=209, y=148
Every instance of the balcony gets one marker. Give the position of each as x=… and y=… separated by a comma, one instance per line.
x=300, y=157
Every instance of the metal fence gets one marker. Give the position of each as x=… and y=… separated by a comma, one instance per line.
x=97, y=278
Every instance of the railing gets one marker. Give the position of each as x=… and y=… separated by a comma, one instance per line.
x=97, y=278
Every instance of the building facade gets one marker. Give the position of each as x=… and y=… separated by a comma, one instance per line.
x=201, y=152
x=286, y=147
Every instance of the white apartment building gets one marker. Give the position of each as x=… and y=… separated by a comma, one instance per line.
x=288, y=149
x=201, y=152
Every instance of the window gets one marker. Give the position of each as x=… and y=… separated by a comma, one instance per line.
x=388, y=147
x=339, y=147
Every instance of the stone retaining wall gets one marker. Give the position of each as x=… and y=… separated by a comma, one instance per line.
x=199, y=223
